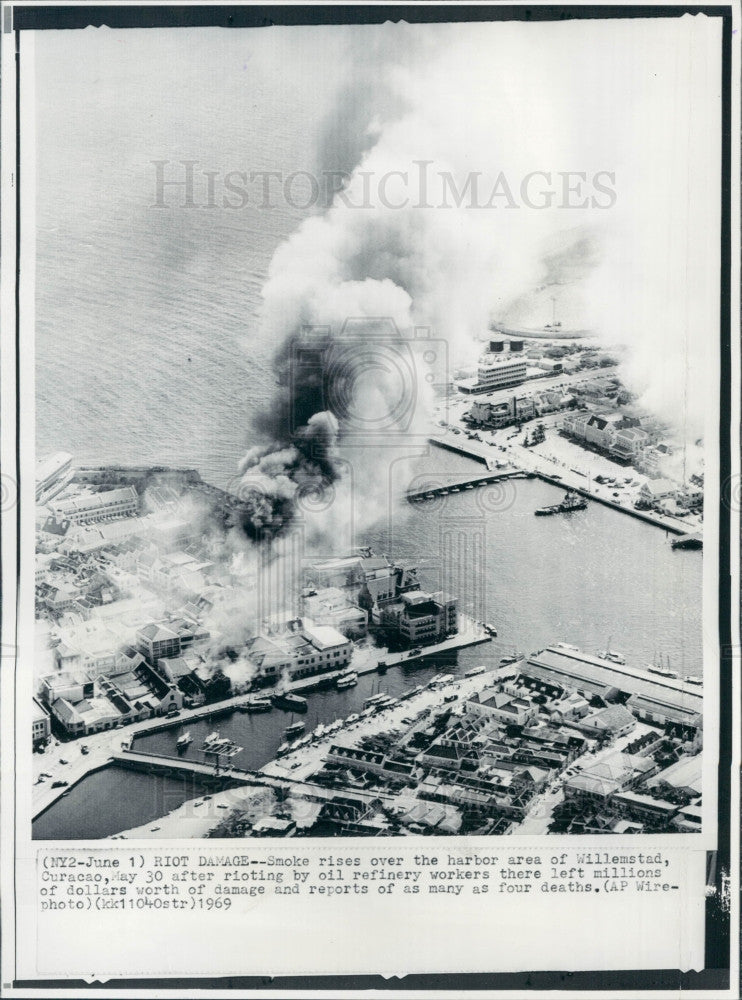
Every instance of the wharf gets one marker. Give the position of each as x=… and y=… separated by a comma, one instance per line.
x=650, y=517
x=565, y=481
x=464, y=448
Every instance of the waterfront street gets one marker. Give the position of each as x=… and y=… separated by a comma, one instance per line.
x=557, y=458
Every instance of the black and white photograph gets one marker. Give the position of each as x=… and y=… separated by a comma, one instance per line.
x=375, y=452
x=372, y=423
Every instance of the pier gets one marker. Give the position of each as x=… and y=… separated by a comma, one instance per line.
x=456, y=486
x=566, y=481
x=464, y=447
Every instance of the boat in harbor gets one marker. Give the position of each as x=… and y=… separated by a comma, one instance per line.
x=347, y=679
x=351, y=719
x=613, y=656
x=662, y=671
x=505, y=661
x=374, y=700
x=570, y=502
x=294, y=730
x=283, y=750
x=694, y=679
x=258, y=703
x=688, y=542
x=183, y=741
x=475, y=671
x=215, y=742
x=289, y=701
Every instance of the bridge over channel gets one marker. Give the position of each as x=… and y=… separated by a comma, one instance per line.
x=456, y=486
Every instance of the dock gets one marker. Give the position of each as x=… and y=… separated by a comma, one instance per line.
x=464, y=447
x=456, y=485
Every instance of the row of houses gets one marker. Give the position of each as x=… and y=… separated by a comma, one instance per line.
x=518, y=409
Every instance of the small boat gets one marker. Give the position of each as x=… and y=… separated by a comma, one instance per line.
x=347, y=679
x=374, y=700
x=294, y=730
x=570, y=502
x=319, y=732
x=662, y=671
x=613, y=657
x=694, y=679
x=475, y=671
x=687, y=542
x=568, y=647
x=351, y=719
x=212, y=738
x=283, y=749
x=183, y=741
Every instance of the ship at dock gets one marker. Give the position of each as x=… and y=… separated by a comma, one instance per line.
x=570, y=502
x=290, y=702
x=347, y=679
x=294, y=730
x=257, y=703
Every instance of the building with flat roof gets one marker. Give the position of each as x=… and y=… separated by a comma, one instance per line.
x=89, y=508
x=301, y=648
x=495, y=371
x=653, y=698
x=420, y=618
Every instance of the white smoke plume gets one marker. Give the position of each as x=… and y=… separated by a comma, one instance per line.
x=446, y=240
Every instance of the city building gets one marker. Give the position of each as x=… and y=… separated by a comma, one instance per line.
x=612, y=721
x=364, y=577
x=502, y=706
x=516, y=409
x=300, y=648
x=420, y=618
x=629, y=443
x=89, y=508
x=331, y=606
x=654, y=491
x=157, y=641
x=685, y=775
x=600, y=781
x=91, y=646
x=40, y=724
x=657, y=700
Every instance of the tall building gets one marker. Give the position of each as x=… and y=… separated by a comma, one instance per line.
x=497, y=368
x=421, y=618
